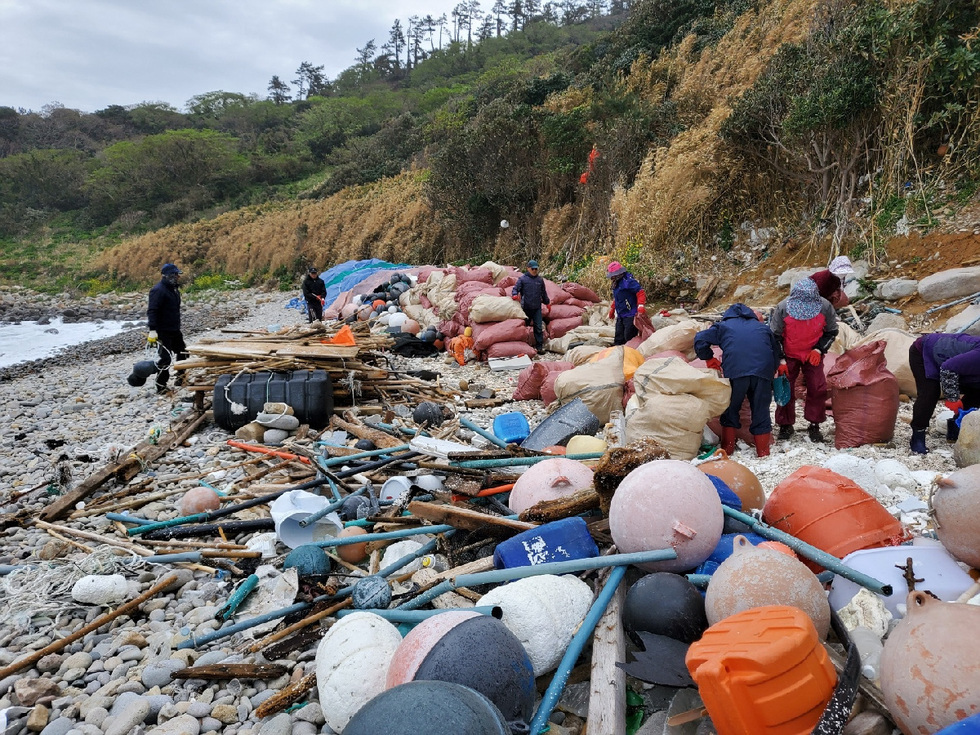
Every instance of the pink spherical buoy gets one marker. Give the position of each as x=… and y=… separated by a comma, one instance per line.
x=549, y=480
x=410, y=326
x=667, y=504
x=198, y=500
x=419, y=642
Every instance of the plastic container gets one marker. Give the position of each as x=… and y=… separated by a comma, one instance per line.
x=308, y=392
x=941, y=574
x=562, y=540
x=571, y=419
x=831, y=512
x=869, y=646
x=511, y=427
x=969, y=726
x=763, y=671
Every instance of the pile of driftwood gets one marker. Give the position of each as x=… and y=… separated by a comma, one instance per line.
x=359, y=373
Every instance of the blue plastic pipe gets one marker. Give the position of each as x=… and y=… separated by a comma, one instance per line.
x=551, y=696
x=812, y=553
x=492, y=438
x=417, y=616
x=327, y=509
x=123, y=518
x=333, y=461
x=402, y=533
x=555, y=567
x=479, y=464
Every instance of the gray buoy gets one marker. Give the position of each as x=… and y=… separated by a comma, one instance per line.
x=371, y=593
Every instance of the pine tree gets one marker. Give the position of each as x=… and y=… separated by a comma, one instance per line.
x=279, y=91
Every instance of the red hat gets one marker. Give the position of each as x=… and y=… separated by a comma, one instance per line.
x=615, y=269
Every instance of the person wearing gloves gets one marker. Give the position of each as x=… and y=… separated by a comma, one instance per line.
x=750, y=353
x=947, y=366
x=163, y=320
x=830, y=281
x=629, y=299
x=314, y=291
x=532, y=294
x=805, y=324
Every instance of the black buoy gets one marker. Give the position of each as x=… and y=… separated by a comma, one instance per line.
x=365, y=445
x=428, y=413
x=141, y=371
x=664, y=604
x=430, y=707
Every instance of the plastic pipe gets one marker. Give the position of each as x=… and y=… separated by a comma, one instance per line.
x=228, y=630
x=123, y=518
x=334, y=461
x=492, y=438
x=479, y=464
x=402, y=533
x=8, y=568
x=237, y=597
x=417, y=616
x=555, y=567
x=329, y=508
x=699, y=580
x=266, y=450
x=396, y=430
x=207, y=529
x=370, y=466
x=812, y=553
x=188, y=556
x=551, y=696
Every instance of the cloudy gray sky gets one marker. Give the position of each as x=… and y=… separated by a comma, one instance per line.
x=89, y=54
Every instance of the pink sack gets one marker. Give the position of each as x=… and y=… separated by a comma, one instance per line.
x=530, y=380
x=510, y=330
x=555, y=294
x=865, y=397
x=560, y=327
x=511, y=349
x=564, y=311
x=473, y=274
x=578, y=291
x=449, y=328
x=507, y=284
x=548, y=394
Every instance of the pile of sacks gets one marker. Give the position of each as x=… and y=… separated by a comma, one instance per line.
x=272, y=426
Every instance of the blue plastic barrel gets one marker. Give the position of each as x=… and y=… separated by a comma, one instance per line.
x=969, y=726
x=562, y=540
x=511, y=427
x=724, y=550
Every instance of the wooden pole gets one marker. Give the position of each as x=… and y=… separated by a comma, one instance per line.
x=94, y=625
x=309, y=620
x=607, y=696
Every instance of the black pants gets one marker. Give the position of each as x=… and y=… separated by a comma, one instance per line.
x=314, y=309
x=535, y=321
x=759, y=392
x=928, y=392
x=170, y=344
x=625, y=330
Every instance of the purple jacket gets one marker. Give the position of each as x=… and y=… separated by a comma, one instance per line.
x=952, y=359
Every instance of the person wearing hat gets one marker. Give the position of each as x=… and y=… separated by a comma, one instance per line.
x=830, y=280
x=315, y=293
x=533, y=295
x=629, y=299
x=805, y=324
x=163, y=321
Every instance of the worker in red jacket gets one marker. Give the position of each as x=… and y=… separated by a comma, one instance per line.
x=629, y=299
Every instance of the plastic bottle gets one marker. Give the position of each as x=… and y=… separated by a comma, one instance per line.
x=436, y=562
x=615, y=430
x=869, y=646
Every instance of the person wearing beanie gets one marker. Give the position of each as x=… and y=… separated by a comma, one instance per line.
x=530, y=291
x=163, y=321
x=944, y=366
x=750, y=352
x=830, y=280
x=315, y=293
x=805, y=324
x=629, y=299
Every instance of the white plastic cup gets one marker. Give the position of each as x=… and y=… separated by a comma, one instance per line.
x=290, y=508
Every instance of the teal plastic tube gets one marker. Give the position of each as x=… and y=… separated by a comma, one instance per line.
x=492, y=438
x=812, y=553
x=402, y=533
x=479, y=464
x=237, y=597
x=555, y=567
x=326, y=510
x=334, y=461
x=551, y=696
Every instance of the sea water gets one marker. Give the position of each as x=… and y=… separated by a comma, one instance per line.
x=31, y=341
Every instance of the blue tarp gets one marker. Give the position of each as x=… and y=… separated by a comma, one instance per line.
x=345, y=276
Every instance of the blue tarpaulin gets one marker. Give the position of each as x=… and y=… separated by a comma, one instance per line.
x=345, y=276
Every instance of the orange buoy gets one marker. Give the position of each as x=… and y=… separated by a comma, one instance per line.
x=352, y=553
x=740, y=480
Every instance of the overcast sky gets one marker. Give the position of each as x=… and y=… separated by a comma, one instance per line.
x=89, y=54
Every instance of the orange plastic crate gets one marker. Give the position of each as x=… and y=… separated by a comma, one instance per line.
x=763, y=672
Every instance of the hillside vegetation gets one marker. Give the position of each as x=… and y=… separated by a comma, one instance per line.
x=679, y=136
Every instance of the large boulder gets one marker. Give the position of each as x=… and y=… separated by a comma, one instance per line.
x=950, y=284
x=897, y=288
x=884, y=320
x=969, y=319
x=788, y=277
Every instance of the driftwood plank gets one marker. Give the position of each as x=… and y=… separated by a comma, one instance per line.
x=231, y=671
x=465, y=518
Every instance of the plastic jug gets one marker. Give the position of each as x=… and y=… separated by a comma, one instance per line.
x=511, y=427
x=562, y=540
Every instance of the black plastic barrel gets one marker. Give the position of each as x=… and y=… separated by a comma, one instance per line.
x=309, y=392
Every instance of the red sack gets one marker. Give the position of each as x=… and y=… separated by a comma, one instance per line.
x=510, y=330
x=450, y=328
x=578, y=291
x=643, y=325
x=424, y=300
x=511, y=349
x=555, y=294
x=507, y=283
x=629, y=390
x=548, y=394
x=472, y=274
x=564, y=311
x=744, y=418
x=530, y=380
x=559, y=327
x=864, y=396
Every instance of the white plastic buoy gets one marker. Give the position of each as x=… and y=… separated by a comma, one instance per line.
x=100, y=589
x=352, y=663
x=543, y=612
x=401, y=549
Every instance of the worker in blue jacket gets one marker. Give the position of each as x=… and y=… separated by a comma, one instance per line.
x=944, y=366
x=750, y=356
x=629, y=300
x=533, y=295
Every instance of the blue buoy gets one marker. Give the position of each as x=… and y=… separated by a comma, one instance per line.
x=308, y=560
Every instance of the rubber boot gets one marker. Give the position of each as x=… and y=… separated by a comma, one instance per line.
x=762, y=442
x=813, y=431
x=952, y=430
x=728, y=439
x=918, y=442
x=785, y=432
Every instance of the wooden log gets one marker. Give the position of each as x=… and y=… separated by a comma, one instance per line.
x=124, y=471
x=308, y=620
x=286, y=697
x=85, y=630
x=554, y=510
x=607, y=694
x=216, y=672
x=868, y=723
x=356, y=428
x=465, y=518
